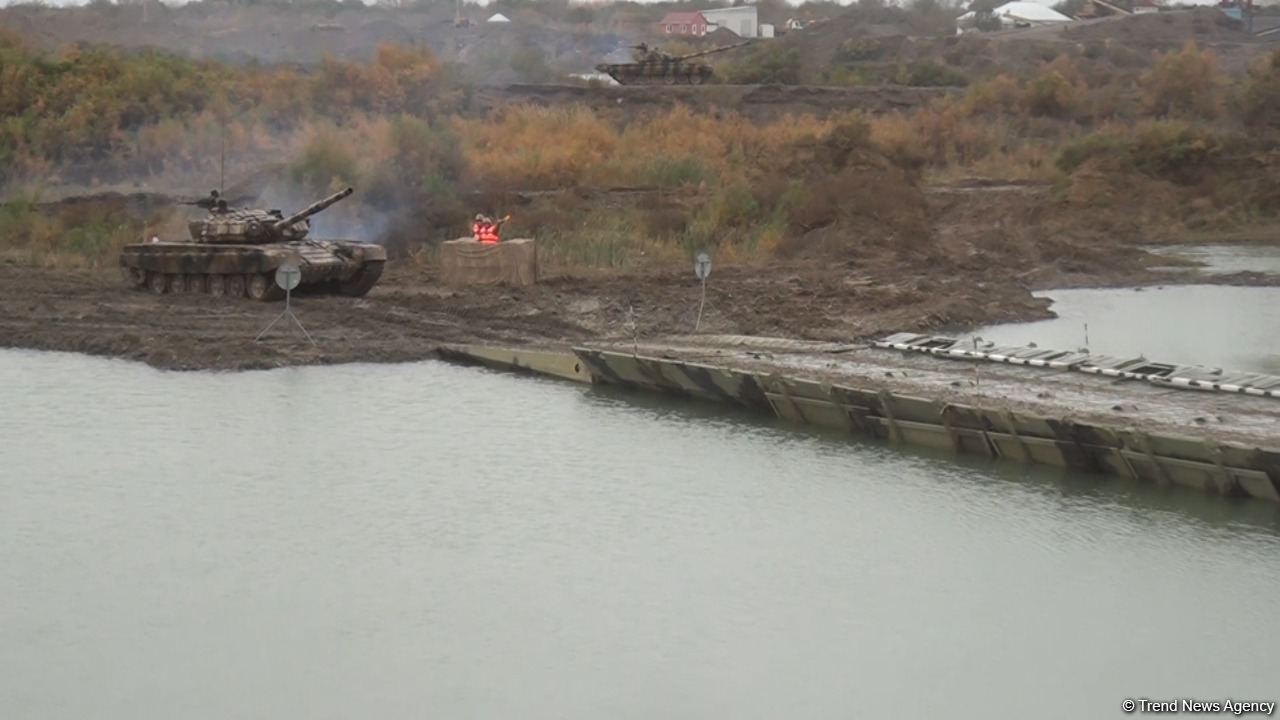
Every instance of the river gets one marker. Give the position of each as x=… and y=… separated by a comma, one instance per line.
x=1233, y=328
x=1227, y=259
x=424, y=540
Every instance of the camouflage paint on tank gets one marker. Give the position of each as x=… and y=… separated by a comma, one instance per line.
x=653, y=67
x=236, y=251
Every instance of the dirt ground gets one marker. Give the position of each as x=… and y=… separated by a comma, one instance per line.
x=409, y=313
x=988, y=247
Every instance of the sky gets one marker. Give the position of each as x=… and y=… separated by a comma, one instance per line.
x=68, y=3
x=1047, y=3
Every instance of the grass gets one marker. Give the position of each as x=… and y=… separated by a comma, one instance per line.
x=605, y=239
x=724, y=181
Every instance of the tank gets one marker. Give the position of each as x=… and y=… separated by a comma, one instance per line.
x=235, y=252
x=653, y=67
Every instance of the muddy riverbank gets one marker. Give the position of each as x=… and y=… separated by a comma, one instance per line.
x=410, y=312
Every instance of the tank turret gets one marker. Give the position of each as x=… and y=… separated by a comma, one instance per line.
x=257, y=226
x=654, y=67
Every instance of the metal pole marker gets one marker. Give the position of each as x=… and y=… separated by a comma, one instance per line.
x=288, y=276
x=701, y=268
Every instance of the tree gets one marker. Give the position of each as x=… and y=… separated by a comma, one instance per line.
x=984, y=17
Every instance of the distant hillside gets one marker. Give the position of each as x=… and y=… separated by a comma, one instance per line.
x=870, y=46
x=303, y=35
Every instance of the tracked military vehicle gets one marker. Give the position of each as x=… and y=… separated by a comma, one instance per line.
x=653, y=67
x=235, y=252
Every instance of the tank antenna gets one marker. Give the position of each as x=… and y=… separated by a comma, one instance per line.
x=222, y=161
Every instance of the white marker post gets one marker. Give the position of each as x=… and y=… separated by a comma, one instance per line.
x=288, y=276
x=701, y=268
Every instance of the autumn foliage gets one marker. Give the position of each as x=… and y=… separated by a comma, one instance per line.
x=395, y=128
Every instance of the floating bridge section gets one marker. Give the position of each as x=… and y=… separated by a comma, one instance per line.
x=1195, y=377
x=861, y=391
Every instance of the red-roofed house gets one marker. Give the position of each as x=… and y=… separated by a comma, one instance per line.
x=683, y=23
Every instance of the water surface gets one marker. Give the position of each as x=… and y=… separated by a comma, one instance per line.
x=1234, y=328
x=1227, y=259
x=425, y=540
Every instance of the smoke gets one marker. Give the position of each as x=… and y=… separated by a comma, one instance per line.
x=349, y=219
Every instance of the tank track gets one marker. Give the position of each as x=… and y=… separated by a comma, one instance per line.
x=256, y=286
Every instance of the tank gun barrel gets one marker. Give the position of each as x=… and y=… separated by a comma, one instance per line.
x=310, y=210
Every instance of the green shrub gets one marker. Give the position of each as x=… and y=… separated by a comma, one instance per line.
x=1097, y=145
x=846, y=139
x=733, y=205
x=670, y=172
x=1175, y=151
x=859, y=50
x=1184, y=84
x=324, y=164
x=530, y=64
x=1260, y=99
x=767, y=65
x=1168, y=150
x=929, y=74
x=1050, y=95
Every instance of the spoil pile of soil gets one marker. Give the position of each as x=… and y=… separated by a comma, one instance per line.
x=875, y=46
x=1202, y=24
x=822, y=43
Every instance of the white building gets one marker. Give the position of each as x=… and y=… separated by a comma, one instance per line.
x=1019, y=14
x=742, y=20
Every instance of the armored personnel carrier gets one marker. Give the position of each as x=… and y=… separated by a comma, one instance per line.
x=235, y=252
x=653, y=67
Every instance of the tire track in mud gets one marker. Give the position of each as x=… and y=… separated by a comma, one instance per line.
x=409, y=314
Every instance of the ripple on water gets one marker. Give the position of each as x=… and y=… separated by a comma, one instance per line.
x=492, y=546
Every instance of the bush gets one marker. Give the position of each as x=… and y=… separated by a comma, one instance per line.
x=1173, y=150
x=536, y=148
x=859, y=49
x=667, y=172
x=847, y=138
x=324, y=165
x=1106, y=145
x=767, y=65
x=420, y=166
x=75, y=235
x=530, y=64
x=1050, y=95
x=928, y=74
x=1169, y=150
x=733, y=205
x=999, y=94
x=1260, y=99
x=1184, y=84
